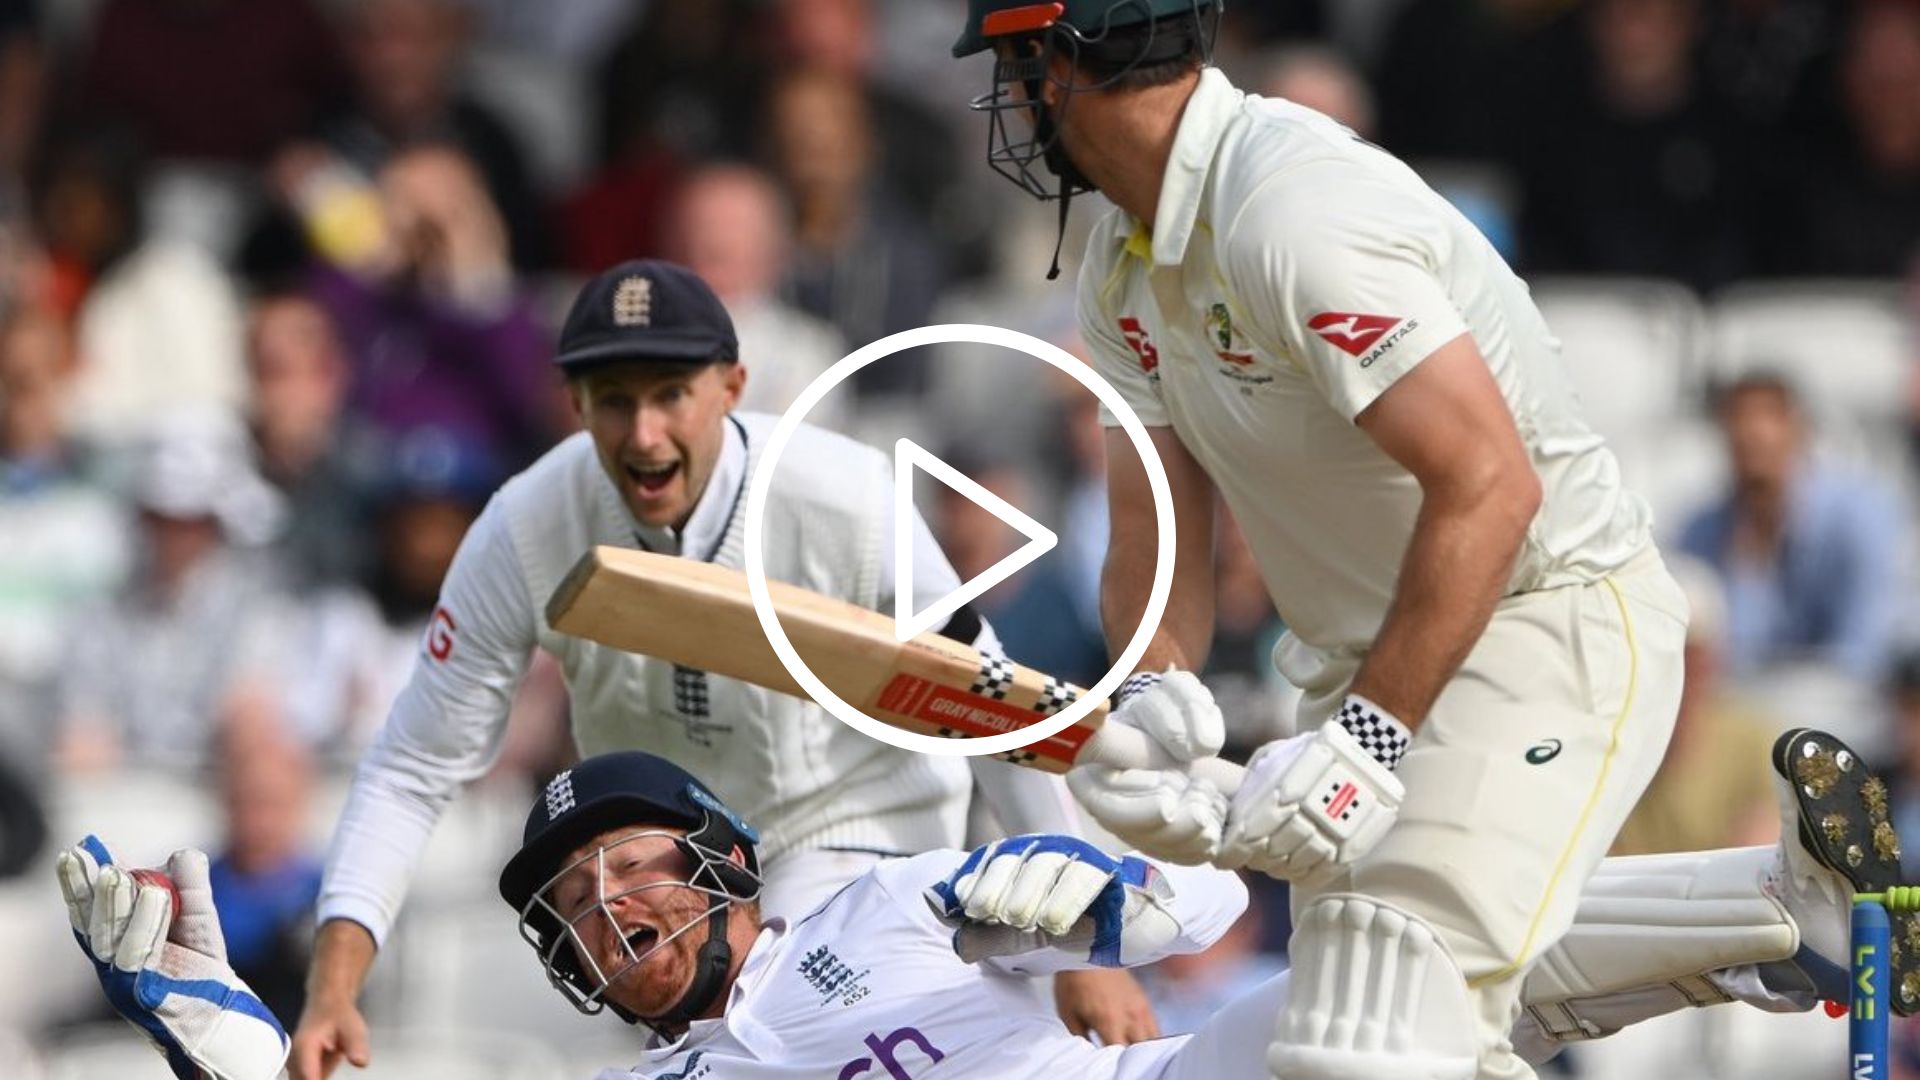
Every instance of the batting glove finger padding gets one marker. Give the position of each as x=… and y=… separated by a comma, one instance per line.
x=164, y=967
x=1162, y=812
x=1177, y=711
x=1309, y=806
x=1027, y=893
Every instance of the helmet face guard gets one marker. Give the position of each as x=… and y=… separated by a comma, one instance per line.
x=564, y=940
x=1025, y=65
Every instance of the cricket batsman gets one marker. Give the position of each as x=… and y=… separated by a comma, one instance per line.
x=652, y=361
x=1488, y=642
x=639, y=890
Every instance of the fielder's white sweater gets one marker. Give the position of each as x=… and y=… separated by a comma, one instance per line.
x=802, y=778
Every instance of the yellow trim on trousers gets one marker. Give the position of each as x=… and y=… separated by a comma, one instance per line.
x=1593, y=797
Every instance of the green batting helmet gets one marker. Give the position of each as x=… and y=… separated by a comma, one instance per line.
x=1088, y=19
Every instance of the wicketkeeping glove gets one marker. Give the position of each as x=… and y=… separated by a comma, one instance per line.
x=1314, y=803
x=1163, y=812
x=1038, y=891
x=165, y=970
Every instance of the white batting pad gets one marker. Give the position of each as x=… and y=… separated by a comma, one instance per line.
x=1375, y=993
x=1653, y=919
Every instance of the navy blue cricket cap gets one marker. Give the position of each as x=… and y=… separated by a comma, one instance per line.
x=646, y=309
x=611, y=791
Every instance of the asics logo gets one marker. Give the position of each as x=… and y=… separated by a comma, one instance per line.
x=1541, y=753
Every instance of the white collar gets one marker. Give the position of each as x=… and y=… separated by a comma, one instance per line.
x=707, y=526
x=759, y=956
x=1213, y=102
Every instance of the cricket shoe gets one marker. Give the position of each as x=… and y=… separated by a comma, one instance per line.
x=1835, y=841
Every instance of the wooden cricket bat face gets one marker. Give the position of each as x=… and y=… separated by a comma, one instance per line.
x=701, y=616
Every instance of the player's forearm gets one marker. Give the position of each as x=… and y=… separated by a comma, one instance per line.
x=343, y=953
x=1453, y=574
x=1185, y=633
x=399, y=791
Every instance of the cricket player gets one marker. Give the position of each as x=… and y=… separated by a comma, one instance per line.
x=638, y=888
x=1489, y=645
x=652, y=362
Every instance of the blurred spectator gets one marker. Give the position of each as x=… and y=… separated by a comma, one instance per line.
x=1257, y=702
x=682, y=85
x=62, y=540
x=1855, y=206
x=443, y=342
x=1714, y=788
x=147, y=673
x=1190, y=989
x=23, y=84
x=862, y=261
x=23, y=819
x=1448, y=70
x=731, y=227
x=158, y=322
x=916, y=147
x=405, y=57
x=210, y=79
x=1638, y=168
x=1762, y=56
x=425, y=502
x=1321, y=79
x=1903, y=692
x=303, y=444
x=266, y=878
x=1812, y=554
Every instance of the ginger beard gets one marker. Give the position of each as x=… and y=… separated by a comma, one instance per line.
x=634, y=922
x=658, y=430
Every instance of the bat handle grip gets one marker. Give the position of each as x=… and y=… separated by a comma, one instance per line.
x=1125, y=747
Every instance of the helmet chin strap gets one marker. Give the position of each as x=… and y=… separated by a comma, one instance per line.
x=1072, y=180
x=709, y=975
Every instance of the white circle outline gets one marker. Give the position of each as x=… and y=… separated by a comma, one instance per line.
x=762, y=482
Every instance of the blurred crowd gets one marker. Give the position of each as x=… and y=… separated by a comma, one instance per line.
x=279, y=281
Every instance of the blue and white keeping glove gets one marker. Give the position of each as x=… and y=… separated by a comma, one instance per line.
x=166, y=970
x=1312, y=804
x=1038, y=891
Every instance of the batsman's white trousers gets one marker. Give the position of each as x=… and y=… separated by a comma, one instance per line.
x=1521, y=775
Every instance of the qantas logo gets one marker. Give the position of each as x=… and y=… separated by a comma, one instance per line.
x=1350, y=333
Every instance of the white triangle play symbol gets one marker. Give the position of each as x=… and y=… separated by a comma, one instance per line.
x=907, y=455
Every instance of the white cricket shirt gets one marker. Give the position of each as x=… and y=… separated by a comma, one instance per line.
x=1293, y=273
x=869, y=987
x=802, y=777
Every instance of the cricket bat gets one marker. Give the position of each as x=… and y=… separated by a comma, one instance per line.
x=701, y=616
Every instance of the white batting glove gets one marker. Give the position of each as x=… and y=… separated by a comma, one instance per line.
x=1314, y=803
x=1026, y=893
x=166, y=971
x=1163, y=812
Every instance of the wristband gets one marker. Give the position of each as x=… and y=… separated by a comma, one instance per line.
x=1137, y=683
x=1375, y=729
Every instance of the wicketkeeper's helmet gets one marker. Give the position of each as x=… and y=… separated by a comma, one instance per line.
x=615, y=791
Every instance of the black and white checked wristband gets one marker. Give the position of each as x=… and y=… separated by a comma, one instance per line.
x=1375, y=729
x=1136, y=683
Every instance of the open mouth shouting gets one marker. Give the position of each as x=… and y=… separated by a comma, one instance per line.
x=651, y=480
x=641, y=938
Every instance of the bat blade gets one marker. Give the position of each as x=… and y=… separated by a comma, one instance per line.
x=701, y=616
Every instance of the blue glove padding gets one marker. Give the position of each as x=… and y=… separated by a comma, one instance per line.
x=166, y=971
x=1046, y=891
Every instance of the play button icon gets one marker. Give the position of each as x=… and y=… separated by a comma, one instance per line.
x=908, y=456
